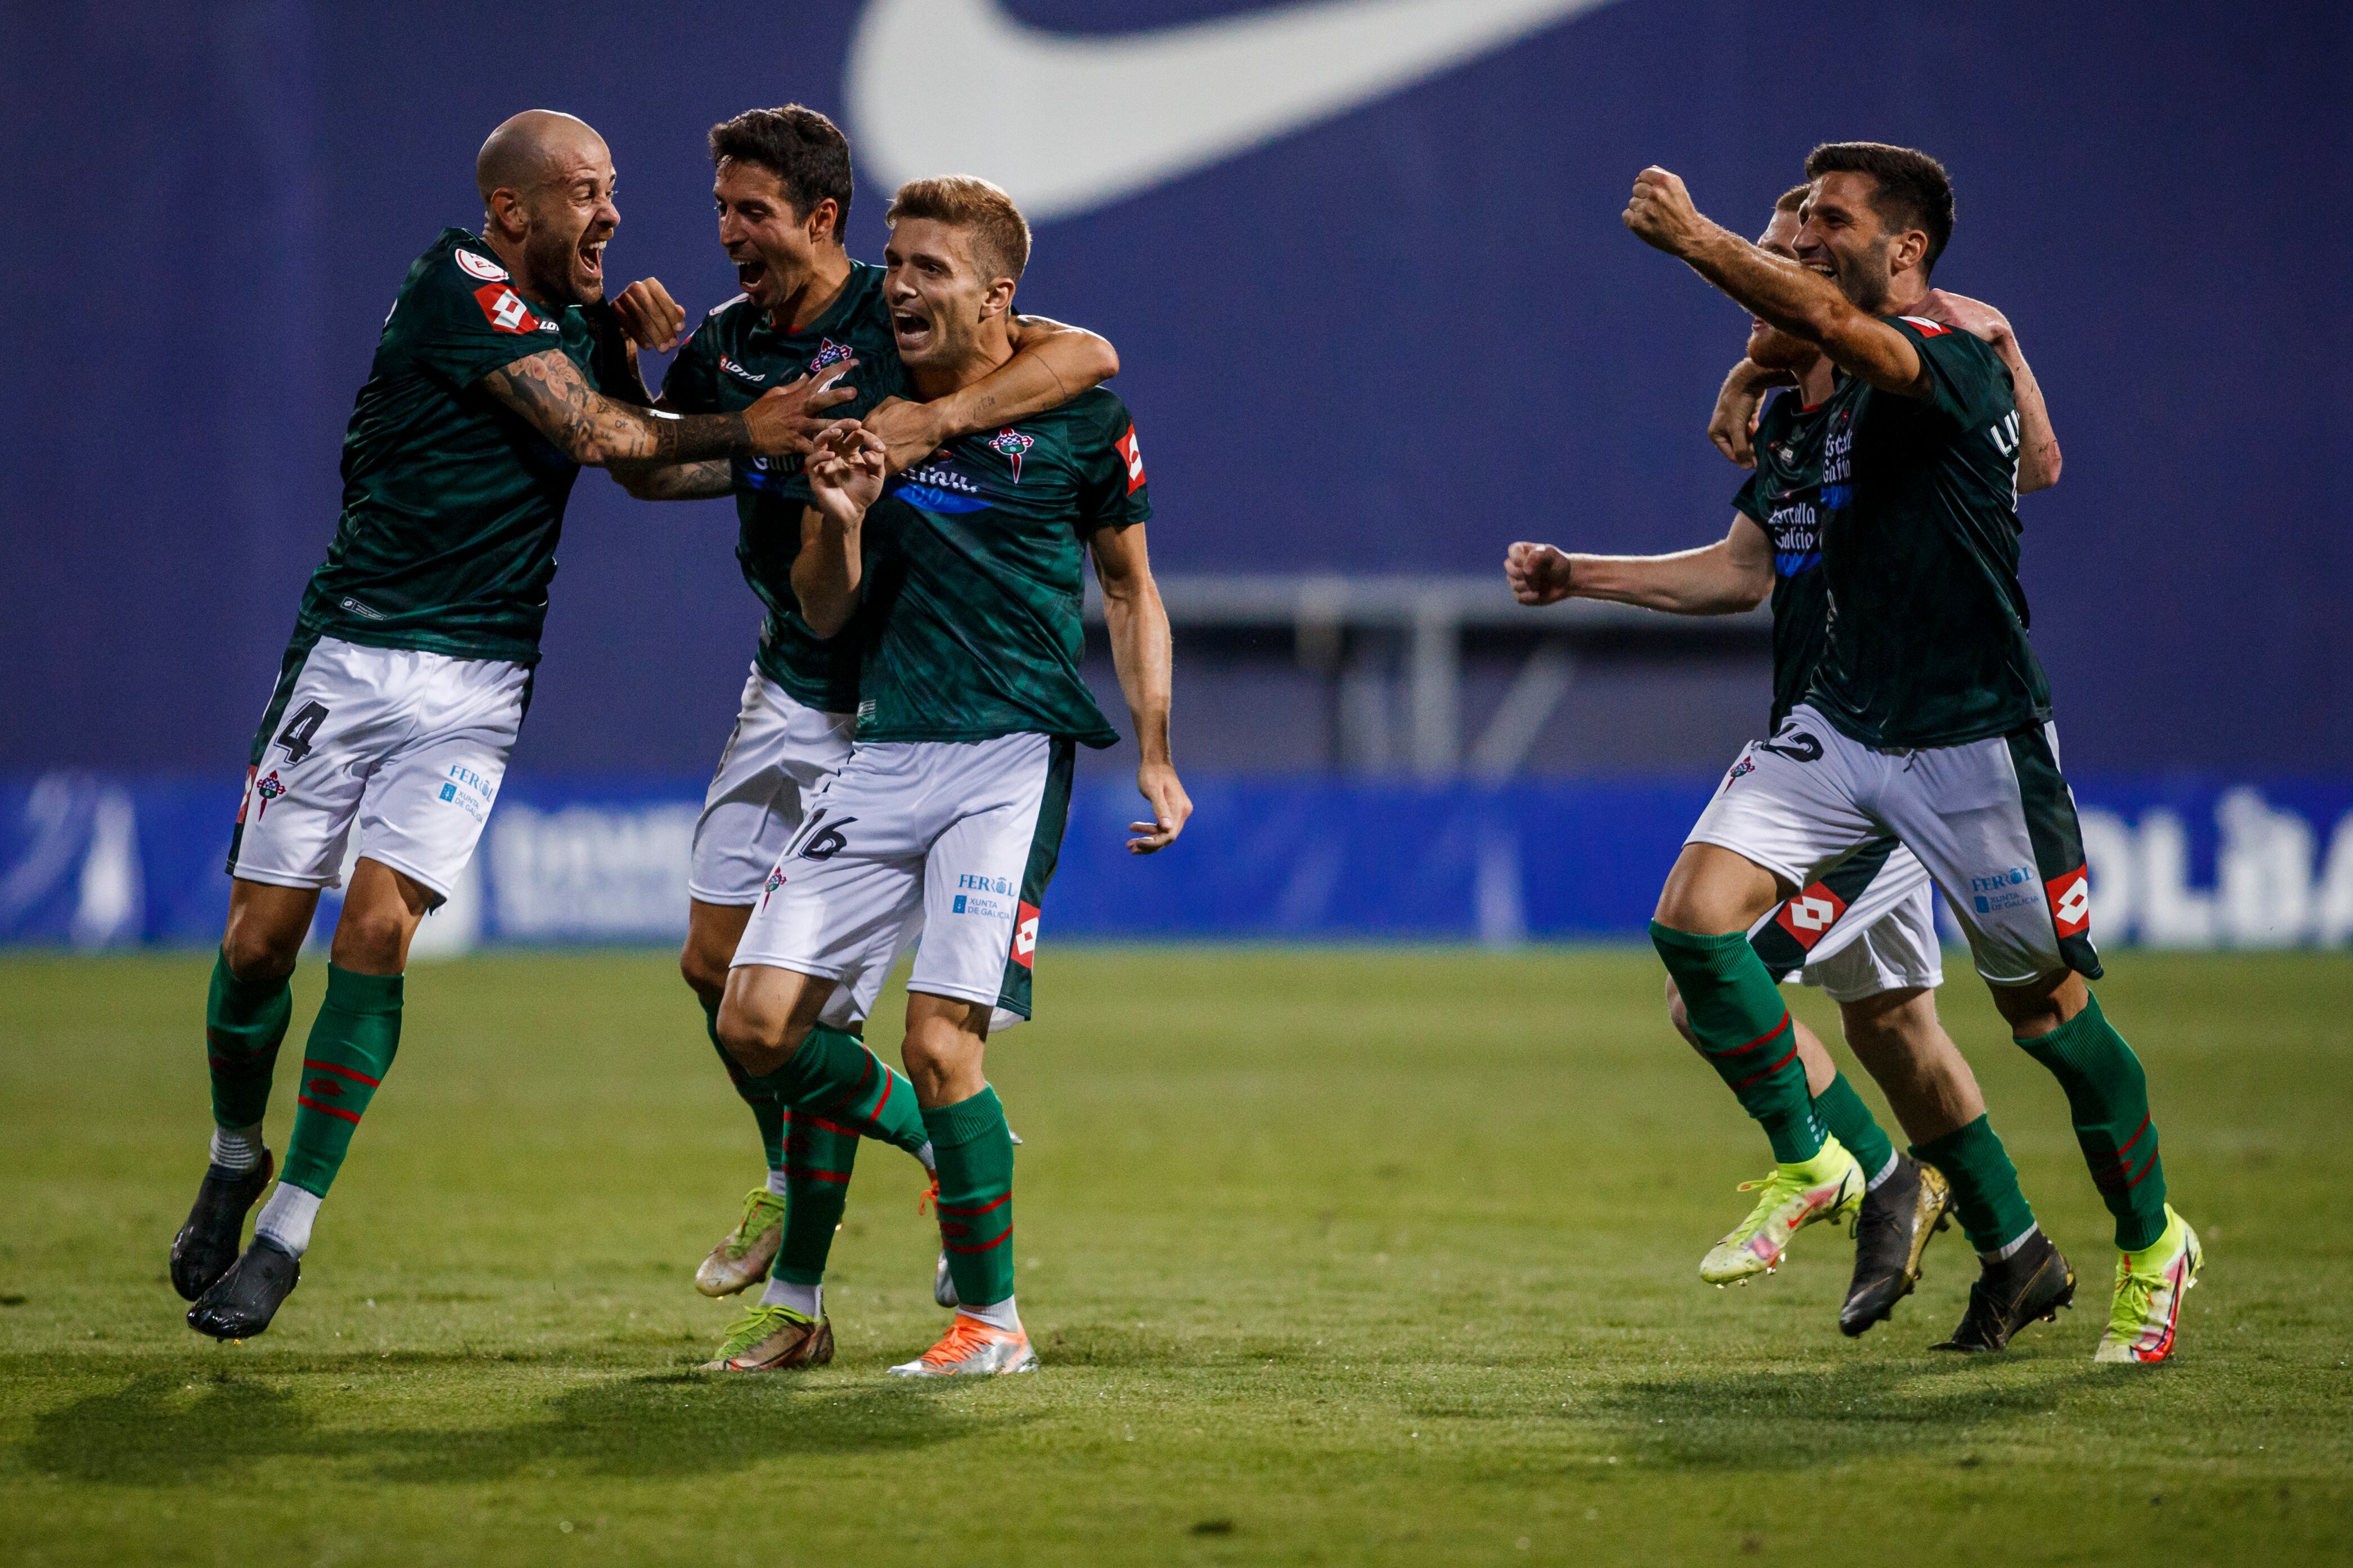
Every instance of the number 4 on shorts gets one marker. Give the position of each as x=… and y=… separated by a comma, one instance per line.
x=296, y=737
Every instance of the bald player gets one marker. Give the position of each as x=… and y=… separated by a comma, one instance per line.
x=500, y=373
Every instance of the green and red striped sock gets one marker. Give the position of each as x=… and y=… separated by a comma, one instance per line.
x=244, y=1023
x=819, y=1157
x=767, y=1105
x=974, y=1149
x=2108, y=1099
x=351, y=1045
x=1744, y=1031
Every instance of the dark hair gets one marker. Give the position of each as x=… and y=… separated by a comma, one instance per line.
x=1001, y=235
x=1793, y=199
x=806, y=153
x=1914, y=191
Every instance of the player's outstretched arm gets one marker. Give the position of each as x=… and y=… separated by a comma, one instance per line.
x=1051, y=363
x=1734, y=573
x=845, y=477
x=594, y=430
x=1141, y=652
x=1802, y=304
x=2038, y=450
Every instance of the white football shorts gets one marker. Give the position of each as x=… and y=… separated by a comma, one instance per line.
x=958, y=836
x=407, y=748
x=1992, y=821
x=1866, y=926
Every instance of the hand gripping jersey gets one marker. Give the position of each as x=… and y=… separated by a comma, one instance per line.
x=1784, y=497
x=1919, y=499
x=974, y=587
x=735, y=357
x=452, y=502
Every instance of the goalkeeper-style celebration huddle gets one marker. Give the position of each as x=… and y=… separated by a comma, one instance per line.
x=923, y=476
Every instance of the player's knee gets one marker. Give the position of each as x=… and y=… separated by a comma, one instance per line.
x=703, y=971
x=761, y=1038
x=370, y=941
x=254, y=953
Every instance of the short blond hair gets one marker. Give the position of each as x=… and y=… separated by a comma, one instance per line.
x=1001, y=235
x=1793, y=198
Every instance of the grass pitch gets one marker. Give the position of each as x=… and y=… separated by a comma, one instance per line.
x=1346, y=1258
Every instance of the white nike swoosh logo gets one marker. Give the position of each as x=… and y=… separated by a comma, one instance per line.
x=1069, y=124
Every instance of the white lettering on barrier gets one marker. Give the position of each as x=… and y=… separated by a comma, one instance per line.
x=608, y=873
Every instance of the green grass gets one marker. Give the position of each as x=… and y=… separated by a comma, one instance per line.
x=1344, y=1257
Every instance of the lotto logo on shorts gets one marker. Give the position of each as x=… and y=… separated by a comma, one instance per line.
x=1810, y=914
x=505, y=308
x=1025, y=936
x=2070, y=903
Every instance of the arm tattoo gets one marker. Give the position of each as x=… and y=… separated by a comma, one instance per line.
x=547, y=390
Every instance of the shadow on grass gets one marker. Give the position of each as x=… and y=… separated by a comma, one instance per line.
x=159, y=1431
x=1798, y=1419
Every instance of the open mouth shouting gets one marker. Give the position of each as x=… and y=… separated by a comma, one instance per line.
x=913, y=330
x=590, y=266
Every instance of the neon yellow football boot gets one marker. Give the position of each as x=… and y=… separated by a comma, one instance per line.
x=2150, y=1284
x=1827, y=1186
x=744, y=1255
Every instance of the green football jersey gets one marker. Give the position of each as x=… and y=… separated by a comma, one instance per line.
x=1784, y=497
x=732, y=359
x=1919, y=501
x=452, y=502
x=974, y=587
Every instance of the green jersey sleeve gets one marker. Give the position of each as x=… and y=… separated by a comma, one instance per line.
x=1111, y=489
x=464, y=319
x=1772, y=425
x=691, y=386
x=1969, y=385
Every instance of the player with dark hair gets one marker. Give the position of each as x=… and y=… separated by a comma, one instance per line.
x=1928, y=719
x=1866, y=932
x=960, y=589
x=782, y=189
x=500, y=373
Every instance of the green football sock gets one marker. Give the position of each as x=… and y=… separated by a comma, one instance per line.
x=2107, y=1097
x=245, y=1021
x=818, y=1155
x=767, y=1105
x=1744, y=1031
x=1841, y=1109
x=974, y=1148
x=351, y=1045
x=1993, y=1211
x=833, y=1075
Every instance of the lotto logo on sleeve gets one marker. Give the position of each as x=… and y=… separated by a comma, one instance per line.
x=1025, y=936
x=2070, y=903
x=505, y=308
x=1810, y=914
x=1134, y=454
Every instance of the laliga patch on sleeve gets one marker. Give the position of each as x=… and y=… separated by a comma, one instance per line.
x=1134, y=455
x=504, y=307
x=481, y=267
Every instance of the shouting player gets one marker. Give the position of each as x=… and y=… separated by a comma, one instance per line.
x=499, y=373
x=1928, y=719
x=1866, y=932
x=782, y=190
x=966, y=585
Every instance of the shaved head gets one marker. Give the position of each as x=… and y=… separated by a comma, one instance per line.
x=546, y=181
x=532, y=148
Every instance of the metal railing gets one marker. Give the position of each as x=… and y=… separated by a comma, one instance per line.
x=1370, y=635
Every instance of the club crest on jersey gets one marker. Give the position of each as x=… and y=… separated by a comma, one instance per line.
x=505, y=308
x=827, y=352
x=269, y=788
x=1133, y=456
x=481, y=267
x=1012, y=443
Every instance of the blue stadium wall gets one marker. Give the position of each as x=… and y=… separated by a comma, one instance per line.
x=91, y=861
x=210, y=205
